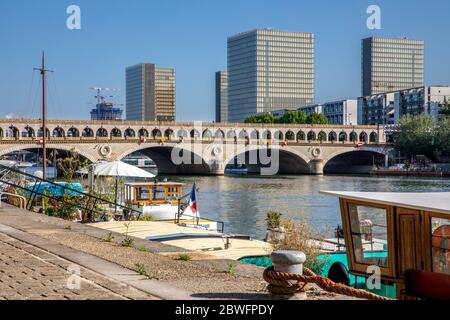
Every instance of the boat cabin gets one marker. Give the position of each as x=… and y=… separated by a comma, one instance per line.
x=407, y=235
x=153, y=193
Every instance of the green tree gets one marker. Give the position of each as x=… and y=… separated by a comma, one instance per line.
x=443, y=136
x=415, y=135
x=316, y=118
x=445, y=109
x=293, y=116
x=70, y=164
x=261, y=118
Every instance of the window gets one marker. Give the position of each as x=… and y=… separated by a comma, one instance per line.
x=368, y=227
x=143, y=193
x=440, y=245
x=158, y=193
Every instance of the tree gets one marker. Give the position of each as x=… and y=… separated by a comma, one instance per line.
x=443, y=136
x=70, y=164
x=261, y=118
x=293, y=116
x=445, y=109
x=316, y=118
x=415, y=135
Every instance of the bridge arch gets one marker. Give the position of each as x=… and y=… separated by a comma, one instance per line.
x=353, y=161
x=207, y=134
x=87, y=132
x=116, y=133
x=290, y=135
x=129, y=133
x=102, y=133
x=332, y=136
x=143, y=133
x=156, y=133
x=58, y=132
x=90, y=157
x=162, y=156
x=290, y=161
x=219, y=134
x=342, y=136
x=168, y=133
x=73, y=132
x=28, y=132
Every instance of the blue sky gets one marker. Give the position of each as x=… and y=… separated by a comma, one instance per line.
x=191, y=37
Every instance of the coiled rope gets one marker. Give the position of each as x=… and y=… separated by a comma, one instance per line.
x=279, y=284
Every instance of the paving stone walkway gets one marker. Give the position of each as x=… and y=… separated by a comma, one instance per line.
x=27, y=272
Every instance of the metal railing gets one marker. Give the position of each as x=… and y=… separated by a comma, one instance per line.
x=22, y=199
x=84, y=201
x=88, y=202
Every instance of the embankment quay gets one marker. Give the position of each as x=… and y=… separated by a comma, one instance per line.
x=41, y=255
x=302, y=149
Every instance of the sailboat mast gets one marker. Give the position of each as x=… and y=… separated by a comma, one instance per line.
x=43, y=72
x=44, y=121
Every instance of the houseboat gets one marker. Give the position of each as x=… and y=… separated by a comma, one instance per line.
x=411, y=235
x=163, y=201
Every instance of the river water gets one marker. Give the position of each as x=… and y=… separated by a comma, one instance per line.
x=242, y=202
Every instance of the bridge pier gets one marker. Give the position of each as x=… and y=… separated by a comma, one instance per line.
x=316, y=167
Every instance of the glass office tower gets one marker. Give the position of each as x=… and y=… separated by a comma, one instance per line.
x=150, y=93
x=269, y=70
x=391, y=64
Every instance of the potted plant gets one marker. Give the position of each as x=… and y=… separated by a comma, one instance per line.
x=275, y=232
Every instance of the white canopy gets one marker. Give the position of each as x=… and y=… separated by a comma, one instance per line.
x=118, y=169
x=427, y=201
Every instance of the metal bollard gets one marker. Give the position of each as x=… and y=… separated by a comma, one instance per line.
x=290, y=262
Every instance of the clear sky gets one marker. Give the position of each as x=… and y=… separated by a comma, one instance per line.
x=190, y=35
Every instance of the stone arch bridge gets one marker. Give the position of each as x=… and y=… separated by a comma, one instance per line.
x=206, y=148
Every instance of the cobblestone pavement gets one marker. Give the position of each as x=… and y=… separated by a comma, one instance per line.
x=27, y=272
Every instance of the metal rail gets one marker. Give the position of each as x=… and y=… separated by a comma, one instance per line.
x=75, y=195
x=23, y=200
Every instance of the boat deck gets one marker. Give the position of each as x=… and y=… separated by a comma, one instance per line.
x=190, y=238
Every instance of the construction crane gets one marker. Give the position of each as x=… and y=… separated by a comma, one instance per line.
x=102, y=104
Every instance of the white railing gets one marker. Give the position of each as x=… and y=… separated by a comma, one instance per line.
x=23, y=200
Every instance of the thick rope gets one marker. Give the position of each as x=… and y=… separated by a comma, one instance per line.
x=279, y=284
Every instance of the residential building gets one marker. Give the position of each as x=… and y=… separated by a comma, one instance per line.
x=221, y=96
x=389, y=107
x=150, y=93
x=391, y=64
x=376, y=109
x=269, y=70
x=342, y=112
x=426, y=100
x=310, y=109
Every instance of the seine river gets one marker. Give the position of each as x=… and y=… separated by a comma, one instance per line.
x=242, y=202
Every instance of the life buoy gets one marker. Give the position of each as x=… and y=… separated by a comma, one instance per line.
x=316, y=152
x=216, y=151
x=105, y=151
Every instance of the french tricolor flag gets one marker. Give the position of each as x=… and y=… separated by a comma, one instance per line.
x=193, y=201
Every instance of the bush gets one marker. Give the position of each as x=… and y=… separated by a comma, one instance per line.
x=302, y=237
x=273, y=219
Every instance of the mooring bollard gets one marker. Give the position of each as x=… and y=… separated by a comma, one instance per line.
x=290, y=262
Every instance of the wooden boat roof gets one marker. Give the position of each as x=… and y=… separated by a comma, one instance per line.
x=426, y=201
x=165, y=183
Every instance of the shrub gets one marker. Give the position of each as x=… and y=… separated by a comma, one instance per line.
x=302, y=237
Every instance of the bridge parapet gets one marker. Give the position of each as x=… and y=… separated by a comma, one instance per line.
x=118, y=130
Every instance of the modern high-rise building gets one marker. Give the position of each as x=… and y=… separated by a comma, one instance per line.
x=269, y=70
x=221, y=96
x=391, y=64
x=150, y=93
